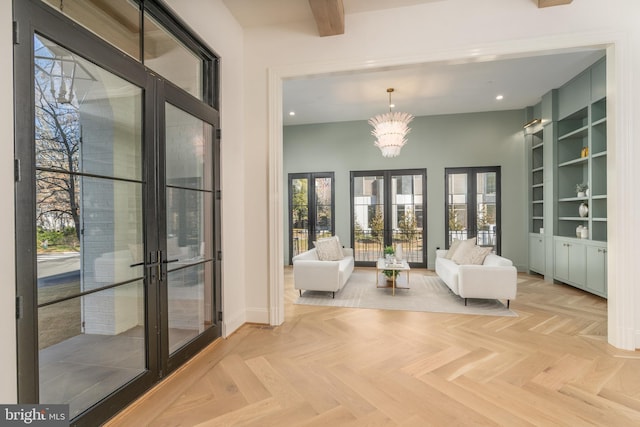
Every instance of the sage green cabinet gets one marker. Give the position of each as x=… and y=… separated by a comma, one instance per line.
x=581, y=263
x=570, y=262
x=596, y=280
x=536, y=253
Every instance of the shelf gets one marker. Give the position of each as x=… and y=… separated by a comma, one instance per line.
x=599, y=154
x=535, y=147
x=599, y=197
x=573, y=218
x=578, y=133
x=573, y=199
x=599, y=219
x=574, y=162
x=599, y=122
x=540, y=169
x=536, y=202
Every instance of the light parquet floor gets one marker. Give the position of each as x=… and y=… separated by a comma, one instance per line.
x=551, y=366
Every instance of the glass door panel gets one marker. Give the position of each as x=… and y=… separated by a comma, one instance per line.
x=368, y=217
x=299, y=215
x=457, y=206
x=472, y=204
x=90, y=229
x=324, y=207
x=407, y=223
x=486, y=208
x=189, y=227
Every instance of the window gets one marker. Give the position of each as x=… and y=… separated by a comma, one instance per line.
x=387, y=207
x=116, y=216
x=472, y=205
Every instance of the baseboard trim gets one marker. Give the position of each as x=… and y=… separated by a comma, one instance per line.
x=257, y=315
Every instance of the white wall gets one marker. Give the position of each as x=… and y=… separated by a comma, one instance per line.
x=8, y=384
x=211, y=20
x=449, y=30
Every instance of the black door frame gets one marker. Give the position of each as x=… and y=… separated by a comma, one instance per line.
x=311, y=203
x=388, y=216
x=31, y=17
x=472, y=202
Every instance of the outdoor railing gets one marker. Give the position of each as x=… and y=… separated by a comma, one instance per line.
x=369, y=245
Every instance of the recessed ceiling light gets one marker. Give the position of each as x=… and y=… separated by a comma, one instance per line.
x=292, y=113
x=392, y=105
x=499, y=97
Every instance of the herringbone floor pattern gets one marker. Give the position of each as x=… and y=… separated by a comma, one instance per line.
x=551, y=366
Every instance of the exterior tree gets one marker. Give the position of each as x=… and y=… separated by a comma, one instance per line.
x=377, y=225
x=58, y=139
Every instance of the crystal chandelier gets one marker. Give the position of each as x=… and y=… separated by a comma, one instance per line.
x=390, y=130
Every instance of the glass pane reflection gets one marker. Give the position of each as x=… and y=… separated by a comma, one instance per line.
x=169, y=57
x=87, y=119
x=190, y=292
x=110, y=217
x=188, y=144
x=90, y=346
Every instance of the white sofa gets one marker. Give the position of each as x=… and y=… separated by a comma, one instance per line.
x=496, y=278
x=311, y=274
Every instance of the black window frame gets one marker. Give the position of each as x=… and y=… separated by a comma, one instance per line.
x=472, y=229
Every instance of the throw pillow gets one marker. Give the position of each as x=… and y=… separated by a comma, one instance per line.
x=329, y=249
x=453, y=248
x=474, y=256
x=463, y=247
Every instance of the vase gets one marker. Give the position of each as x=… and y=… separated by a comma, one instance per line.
x=583, y=210
x=584, y=233
x=399, y=252
x=581, y=193
x=579, y=231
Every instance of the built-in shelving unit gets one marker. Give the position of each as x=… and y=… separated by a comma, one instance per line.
x=536, y=143
x=581, y=156
x=572, y=150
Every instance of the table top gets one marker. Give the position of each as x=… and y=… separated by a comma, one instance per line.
x=400, y=265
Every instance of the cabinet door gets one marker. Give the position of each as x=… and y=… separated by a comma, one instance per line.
x=561, y=261
x=577, y=264
x=597, y=270
x=536, y=254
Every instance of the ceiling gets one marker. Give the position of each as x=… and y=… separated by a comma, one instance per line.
x=422, y=90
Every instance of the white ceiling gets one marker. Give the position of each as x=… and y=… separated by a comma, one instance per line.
x=425, y=89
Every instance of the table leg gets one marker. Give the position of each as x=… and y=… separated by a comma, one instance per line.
x=393, y=284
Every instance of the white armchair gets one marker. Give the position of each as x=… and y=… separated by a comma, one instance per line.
x=309, y=273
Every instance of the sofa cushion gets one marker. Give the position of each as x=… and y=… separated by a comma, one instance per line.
x=329, y=249
x=473, y=256
x=461, y=252
x=453, y=248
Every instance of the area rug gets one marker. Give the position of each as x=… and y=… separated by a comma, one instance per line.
x=425, y=293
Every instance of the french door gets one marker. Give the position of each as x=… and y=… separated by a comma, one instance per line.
x=472, y=207
x=311, y=210
x=117, y=221
x=388, y=208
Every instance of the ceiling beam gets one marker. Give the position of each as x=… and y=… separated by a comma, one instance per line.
x=329, y=16
x=548, y=3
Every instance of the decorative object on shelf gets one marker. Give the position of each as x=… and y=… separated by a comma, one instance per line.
x=583, y=210
x=399, y=253
x=579, y=231
x=390, y=130
x=581, y=189
x=584, y=152
x=584, y=234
